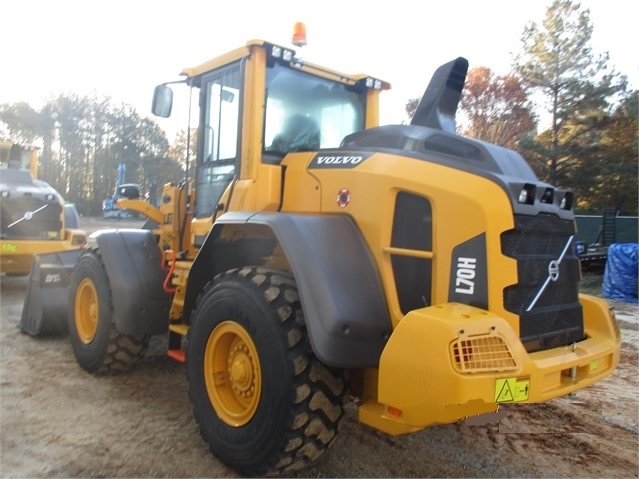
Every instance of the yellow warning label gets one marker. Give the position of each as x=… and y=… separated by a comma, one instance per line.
x=511, y=390
x=9, y=248
x=594, y=365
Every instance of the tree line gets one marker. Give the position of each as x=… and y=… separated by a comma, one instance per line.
x=562, y=108
x=84, y=139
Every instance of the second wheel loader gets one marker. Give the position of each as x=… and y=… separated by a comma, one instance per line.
x=34, y=218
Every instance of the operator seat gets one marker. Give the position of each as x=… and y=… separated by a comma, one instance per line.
x=300, y=133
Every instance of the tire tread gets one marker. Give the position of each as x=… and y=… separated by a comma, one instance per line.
x=122, y=351
x=318, y=391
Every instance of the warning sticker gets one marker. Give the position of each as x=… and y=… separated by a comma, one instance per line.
x=511, y=389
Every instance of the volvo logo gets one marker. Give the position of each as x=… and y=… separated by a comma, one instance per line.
x=338, y=159
x=553, y=273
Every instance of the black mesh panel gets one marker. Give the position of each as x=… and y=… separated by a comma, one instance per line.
x=30, y=218
x=556, y=318
x=412, y=229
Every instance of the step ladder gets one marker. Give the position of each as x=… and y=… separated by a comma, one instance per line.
x=608, y=233
x=175, y=350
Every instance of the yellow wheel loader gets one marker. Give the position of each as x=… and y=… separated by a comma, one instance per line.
x=315, y=253
x=34, y=217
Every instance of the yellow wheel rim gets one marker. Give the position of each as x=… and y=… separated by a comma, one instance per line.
x=232, y=373
x=86, y=311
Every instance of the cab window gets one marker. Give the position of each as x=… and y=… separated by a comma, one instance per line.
x=306, y=113
x=219, y=133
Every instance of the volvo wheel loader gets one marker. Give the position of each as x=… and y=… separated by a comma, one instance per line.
x=315, y=253
x=34, y=217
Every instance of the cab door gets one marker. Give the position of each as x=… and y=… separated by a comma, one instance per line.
x=219, y=137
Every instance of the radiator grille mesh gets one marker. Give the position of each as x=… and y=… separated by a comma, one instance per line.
x=482, y=354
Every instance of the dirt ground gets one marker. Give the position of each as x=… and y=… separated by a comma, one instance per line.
x=58, y=421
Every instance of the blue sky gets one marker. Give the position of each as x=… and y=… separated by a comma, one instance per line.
x=122, y=48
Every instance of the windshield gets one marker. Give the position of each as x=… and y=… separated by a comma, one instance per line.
x=306, y=113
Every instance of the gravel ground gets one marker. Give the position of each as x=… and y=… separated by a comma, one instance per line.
x=58, y=421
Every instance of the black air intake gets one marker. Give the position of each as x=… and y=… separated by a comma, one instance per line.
x=549, y=316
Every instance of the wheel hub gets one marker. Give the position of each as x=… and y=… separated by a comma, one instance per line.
x=241, y=371
x=232, y=373
x=86, y=311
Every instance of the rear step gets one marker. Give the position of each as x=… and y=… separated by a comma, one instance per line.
x=176, y=333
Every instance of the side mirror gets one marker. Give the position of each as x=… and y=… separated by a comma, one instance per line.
x=162, y=101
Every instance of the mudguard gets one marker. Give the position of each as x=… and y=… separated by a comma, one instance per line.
x=338, y=283
x=132, y=260
x=45, y=304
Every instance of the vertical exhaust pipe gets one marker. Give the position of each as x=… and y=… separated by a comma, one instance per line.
x=438, y=106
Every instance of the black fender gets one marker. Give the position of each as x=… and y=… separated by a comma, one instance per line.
x=338, y=282
x=132, y=259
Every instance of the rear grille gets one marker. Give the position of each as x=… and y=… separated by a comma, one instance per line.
x=30, y=218
x=556, y=318
x=487, y=353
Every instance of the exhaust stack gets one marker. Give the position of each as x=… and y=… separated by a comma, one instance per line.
x=438, y=106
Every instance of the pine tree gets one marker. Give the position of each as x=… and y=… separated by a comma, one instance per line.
x=579, y=88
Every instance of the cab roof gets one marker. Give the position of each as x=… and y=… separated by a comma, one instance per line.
x=244, y=51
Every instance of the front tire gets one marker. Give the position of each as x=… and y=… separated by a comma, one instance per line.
x=97, y=345
x=265, y=404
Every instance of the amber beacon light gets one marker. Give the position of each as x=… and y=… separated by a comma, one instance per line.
x=299, y=34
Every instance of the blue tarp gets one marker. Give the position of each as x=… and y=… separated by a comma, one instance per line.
x=620, y=275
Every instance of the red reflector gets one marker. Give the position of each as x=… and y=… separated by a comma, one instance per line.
x=393, y=411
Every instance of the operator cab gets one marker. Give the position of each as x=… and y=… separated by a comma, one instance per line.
x=327, y=113
x=16, y=157
x=261, y=103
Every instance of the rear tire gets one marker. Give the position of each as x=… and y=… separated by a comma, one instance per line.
x=265, y=404
x=97, y=345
